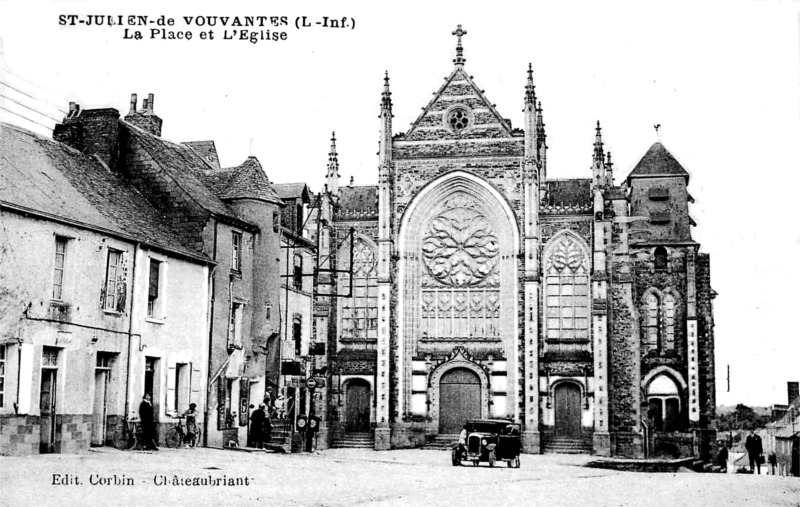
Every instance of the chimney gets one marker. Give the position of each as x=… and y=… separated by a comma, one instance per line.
x=793, y=389
x=145, y=118
x=91, y=131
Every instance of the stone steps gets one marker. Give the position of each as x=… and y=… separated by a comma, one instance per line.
x=442, y=442
x=354, y=441
x=566, y=446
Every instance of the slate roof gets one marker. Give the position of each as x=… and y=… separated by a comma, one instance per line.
x=658, y=162
x=185, y=166
x=249, y=181
x=569, y=192
x=358, y=202
x=293, y=191
x=51, y=179
x=206, y=149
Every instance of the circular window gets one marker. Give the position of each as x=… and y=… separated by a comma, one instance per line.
x=458, y=119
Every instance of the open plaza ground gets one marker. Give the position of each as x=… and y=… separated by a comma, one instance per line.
x=344, y=477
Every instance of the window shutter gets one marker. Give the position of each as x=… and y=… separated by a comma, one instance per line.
x=154, y=269
x=194, y=384
x=122, y=281
x=170, y=406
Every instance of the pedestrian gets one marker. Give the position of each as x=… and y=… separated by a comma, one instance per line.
x=722, y=456
x=147, y=421
x=257, y=426
x=280, y=406
x=268, y=399
x=773, y=462
x=462, y=440
x=754, y=450
x=189, y=440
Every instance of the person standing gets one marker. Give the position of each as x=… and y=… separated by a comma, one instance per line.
x=257, y=426
x=191, y=426
x=754, y=450
x=147, y=420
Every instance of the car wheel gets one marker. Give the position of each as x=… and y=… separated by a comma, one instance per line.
x=491, y=459
x=455, y=458
x=515, y=461
x=475, y=463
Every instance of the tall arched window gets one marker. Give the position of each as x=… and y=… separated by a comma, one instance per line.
x=651, y=321
x=360, y=311
x=669, y=323
x=660, y=258
x=567, y=295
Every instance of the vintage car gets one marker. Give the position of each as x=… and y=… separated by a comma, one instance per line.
x=489, y=440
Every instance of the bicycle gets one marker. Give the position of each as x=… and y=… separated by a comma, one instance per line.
x=177, y=435
x=126, y=436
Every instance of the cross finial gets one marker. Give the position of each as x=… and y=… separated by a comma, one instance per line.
x=658, y=130
x=459, y=32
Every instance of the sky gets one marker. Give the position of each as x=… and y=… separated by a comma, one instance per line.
x=721, y=78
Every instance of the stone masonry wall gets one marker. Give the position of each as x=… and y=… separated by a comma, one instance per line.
x=705, y=339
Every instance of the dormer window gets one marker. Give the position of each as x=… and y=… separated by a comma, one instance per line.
x=658, y=193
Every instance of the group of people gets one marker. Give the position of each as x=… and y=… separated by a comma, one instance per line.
x=261, y=419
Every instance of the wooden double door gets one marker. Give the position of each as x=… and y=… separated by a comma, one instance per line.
x=567, y=399
x=459, y=399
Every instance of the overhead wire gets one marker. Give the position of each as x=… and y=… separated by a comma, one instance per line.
x=29, y=107
x=48, y=127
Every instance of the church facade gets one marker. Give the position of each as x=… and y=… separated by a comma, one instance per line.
x=471, y=285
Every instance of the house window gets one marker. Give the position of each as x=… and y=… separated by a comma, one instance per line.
x=150, y=368
x=153, y=302
x=235, y=327
x=660, y=258
x=297, y=335
x=115, y=282
x=104, y=360
x=567, y=296
x=236, y=251
x=60, y=266
x=299, y=220
x=297, y=275
x=651, y=322
x=669, y=322
x=276, y=221
x=2, y=376
x=50, y=357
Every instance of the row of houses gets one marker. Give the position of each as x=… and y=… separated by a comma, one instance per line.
x=130, y=264
x=783, y=435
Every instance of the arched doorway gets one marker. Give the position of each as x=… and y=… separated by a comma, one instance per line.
x=357, y=406
x=567, y=410
x=459, y=399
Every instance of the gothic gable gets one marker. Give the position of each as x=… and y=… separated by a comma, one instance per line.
x=459, y=110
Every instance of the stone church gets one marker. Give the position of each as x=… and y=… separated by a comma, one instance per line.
x=472, y=284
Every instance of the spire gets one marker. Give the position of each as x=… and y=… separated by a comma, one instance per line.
x=386, y=96
x=333, y=167
x=598, y=145
x=459, y=59
x=385, y=153
x=530, y=89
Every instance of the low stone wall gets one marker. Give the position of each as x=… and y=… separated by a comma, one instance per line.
x=411, y=435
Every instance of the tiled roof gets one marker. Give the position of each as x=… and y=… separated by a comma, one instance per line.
x=249, y=181
x=293, y=191
x=658, y=162
x=49, y=178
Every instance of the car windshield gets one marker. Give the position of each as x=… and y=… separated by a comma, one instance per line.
x=486, y=426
